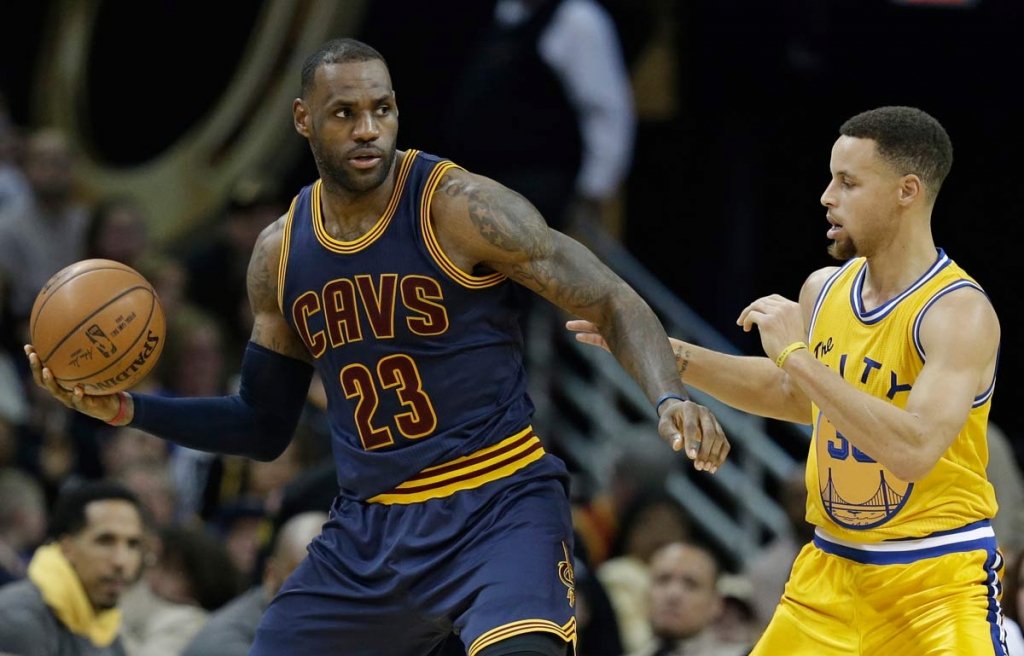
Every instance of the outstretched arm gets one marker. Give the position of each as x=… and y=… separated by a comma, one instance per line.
x=258, y=422
x=481, y=223
x=959, y=335
x=750, y=384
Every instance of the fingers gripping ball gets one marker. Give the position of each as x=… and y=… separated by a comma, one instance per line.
x=98, y=324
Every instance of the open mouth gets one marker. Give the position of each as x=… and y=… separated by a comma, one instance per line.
x=836, y=228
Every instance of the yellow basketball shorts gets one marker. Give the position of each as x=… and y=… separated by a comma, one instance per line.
x=933, y=596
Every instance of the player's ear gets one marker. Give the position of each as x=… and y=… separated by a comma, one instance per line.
x=301, y=117
x=911, y=188
x=394, y=97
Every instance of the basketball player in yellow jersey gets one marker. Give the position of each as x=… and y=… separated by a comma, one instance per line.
x=892, y=359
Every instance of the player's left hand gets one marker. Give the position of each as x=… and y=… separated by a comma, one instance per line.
x=685, y=424
x=779, y=321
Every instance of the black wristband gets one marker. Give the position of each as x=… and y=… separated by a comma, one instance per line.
x=657, y=407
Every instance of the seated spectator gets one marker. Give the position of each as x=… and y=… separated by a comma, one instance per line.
x=685, y=603
x=643, y=466
x=738, y=622
x=596, y=625
x=40, y=237
x=652, y=520
x=68, y=605
x=22, y=522
x=117, y=231
x=231, y=630
x=191, y=576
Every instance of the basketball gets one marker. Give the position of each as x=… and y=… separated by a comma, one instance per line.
x=98, y=324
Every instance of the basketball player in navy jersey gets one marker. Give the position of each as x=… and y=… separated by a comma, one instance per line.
x=391, y=276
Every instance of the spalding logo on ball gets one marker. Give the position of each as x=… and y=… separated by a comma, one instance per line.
x=98, y=324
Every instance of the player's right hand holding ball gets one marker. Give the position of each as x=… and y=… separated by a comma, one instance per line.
x=104, y=407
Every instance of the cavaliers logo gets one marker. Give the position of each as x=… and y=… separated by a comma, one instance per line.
x=565, y=574
x=856, y=491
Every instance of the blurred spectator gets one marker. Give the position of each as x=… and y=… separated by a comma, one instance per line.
x=169, y=278
x=231, y=630
x=22, y=522
x=652, y=520
x=1005, y=476
x=684, y=604
x=243, y=527
x=769, y=570
x=152, y=484
x=68, y=605
x=545, y=106
x=217, y=269
x=8, y=442
x=44, y=235
x=117, y=231
x=126, y=448
x=737, y=623
x=191, y=576
x=645, y=465
x=14, y=187
x=1013, y=603
x=48, y=450
x=596, y=624
x=191, y=365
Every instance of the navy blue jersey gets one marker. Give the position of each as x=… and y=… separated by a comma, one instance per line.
x=422, y=362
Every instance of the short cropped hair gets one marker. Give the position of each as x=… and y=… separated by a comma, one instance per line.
x=336, y=51
x=909, y=140
x=68, y=516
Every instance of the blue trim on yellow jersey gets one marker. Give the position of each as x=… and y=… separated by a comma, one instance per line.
x=823, y=293
x=874, y=316
x=952, y=287
x=993, y=565
x=972, y=537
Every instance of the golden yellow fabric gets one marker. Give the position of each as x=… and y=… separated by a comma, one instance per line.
x=849, y=494
x=838, y=607
x=63, y=593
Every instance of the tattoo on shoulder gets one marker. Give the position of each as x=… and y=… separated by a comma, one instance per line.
x=261, y=279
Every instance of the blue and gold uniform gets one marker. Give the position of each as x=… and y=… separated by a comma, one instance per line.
x=895, y=567
x=451, y=518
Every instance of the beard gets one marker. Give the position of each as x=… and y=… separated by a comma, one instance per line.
x=843, y=250
x=332, y=166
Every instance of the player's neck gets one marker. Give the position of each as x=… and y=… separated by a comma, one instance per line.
x=347, y=210
x=896, y=266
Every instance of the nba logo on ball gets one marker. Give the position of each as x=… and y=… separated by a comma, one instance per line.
x=100, y=340
x=98, y=325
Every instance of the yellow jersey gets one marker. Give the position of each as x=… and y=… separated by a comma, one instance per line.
x=850, y=495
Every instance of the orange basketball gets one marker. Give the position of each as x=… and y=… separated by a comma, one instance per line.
x=98, y=324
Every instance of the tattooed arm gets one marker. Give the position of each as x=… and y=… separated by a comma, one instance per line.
x=751, y=384
x=481, y=223
x=270, y=330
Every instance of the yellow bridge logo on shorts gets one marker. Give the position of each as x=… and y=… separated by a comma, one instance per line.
x=565, y=574
x=856, y=491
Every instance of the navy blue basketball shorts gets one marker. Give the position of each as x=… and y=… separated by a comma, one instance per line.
x=484, y=564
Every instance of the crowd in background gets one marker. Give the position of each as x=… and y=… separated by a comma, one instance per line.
x=645, y=584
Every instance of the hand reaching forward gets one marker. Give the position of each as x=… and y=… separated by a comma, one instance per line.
x=682, y=423
x=779, y=321
x=103, y=407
